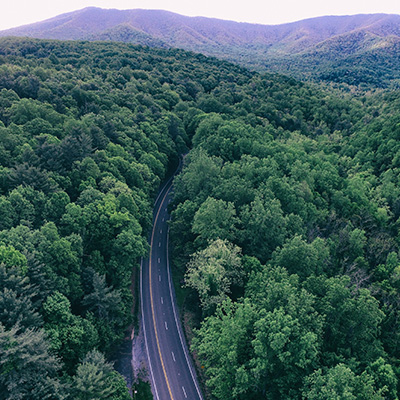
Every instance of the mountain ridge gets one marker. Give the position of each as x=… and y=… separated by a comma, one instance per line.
x=257, y=46
x=155, y=22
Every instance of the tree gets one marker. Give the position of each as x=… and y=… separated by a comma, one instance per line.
x=340, y=382
x=6, y=214
x=223, y=344
x=228, y=140
x=95, y=379
x=102, y=300
x=207, y=127
x=28, y=370
x=76, y=146
x=264, y=226
x=71, y=336
x=201, y=174
x=62, y=257
x=181, y=230
x=287, y=334
x=265, y=345
x=107, y=309
x=352, y=320
x=17, y=304
x=213, y=271
x=384, y=377
x=55, y=206
x=23, y=210
x=25, y=174
x=10, y=257
x=302, y=258
x=215, y=219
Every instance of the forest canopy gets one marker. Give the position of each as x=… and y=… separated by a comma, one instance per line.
x=284, y=229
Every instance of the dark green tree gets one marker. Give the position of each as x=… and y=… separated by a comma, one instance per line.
x=28, y=369
x=96, y=379
x=71, y=336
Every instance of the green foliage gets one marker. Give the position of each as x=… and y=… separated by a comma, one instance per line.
x=353, y=319
x=340, y=382
x=284, y=221
x=9, y=257
x=18, y=304
x=87, y=133
x=215, y=219
x=28, y=370
x=304, y=259
x=223, y=353
x=71, y=336
x=305, y=183
x=96, y=379
x=276, y=340
x=213, y=271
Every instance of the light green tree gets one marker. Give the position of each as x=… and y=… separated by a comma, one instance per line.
x=340, y=382
x=212, y=272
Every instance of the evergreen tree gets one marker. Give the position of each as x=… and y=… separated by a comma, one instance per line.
x=28, y=370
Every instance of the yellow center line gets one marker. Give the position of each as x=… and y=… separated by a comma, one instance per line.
x=151, y=297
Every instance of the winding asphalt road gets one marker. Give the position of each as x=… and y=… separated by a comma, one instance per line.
x=171, y=371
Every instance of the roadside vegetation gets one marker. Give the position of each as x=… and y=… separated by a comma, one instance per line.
x=284, y=229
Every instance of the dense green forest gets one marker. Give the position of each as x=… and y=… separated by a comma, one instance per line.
x=87, y=134
x=355, y=59
x=286, y=234
x=284, y=229
x=358, y=50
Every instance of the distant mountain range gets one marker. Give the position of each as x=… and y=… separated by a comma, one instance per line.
x=359, y=49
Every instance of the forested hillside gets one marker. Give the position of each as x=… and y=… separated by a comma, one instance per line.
x=361, y=50
x=284, y=230
x=87, y=133
x=285, y=227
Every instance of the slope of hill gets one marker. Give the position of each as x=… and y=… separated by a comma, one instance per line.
x=322, y=48
x=284, y=222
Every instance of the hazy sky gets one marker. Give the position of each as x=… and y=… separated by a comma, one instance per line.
x=19, y=12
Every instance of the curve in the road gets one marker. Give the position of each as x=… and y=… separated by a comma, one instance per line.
x=172, y=374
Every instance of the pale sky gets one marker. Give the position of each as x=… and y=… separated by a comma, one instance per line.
x=19, y=12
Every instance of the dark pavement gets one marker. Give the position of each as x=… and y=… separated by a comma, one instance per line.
x=171, y=371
